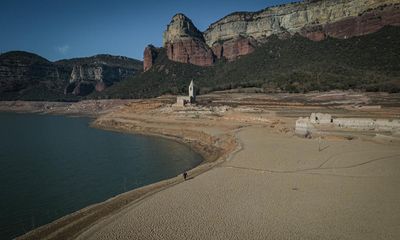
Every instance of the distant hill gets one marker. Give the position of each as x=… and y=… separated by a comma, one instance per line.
x=296, y=64
x=27, y=76
x=106, y=59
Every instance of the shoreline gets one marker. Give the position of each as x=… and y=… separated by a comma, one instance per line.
x=243, y=129
x=71, y=225
x=85, y=108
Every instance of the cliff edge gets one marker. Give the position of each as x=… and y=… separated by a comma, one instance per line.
x=240, y=33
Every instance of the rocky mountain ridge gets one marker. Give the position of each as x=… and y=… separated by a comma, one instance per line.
x=296, y=64
x=240, y=33
x=18, y=70
x=27, y=74
x=302, y=17
x=98, y=72
x=185, y=43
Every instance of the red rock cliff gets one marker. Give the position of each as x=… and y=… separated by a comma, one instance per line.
x=239, y=33
x=234, y=48
x=313, y=18
x=185, y=43
x=149, y=56
x=367, y=22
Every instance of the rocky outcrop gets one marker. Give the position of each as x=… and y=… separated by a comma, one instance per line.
x=314, y=19
x=179, y=28
x=192, y=51
x=23, y=73
x=232, y=49
x=239, y=33
x=368, y=22
x=185, y=43
x=149, y=56
x=98, y=75
x=82, y=72
x=98, y=72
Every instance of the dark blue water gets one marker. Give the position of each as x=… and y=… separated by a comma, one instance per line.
x=53, y=165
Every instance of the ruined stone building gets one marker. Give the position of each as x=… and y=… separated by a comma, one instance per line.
x=190, y=99
x=305, y=126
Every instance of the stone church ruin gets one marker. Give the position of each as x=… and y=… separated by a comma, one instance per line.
x=190, y=99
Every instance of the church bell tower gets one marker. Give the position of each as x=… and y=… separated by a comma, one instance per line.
x=192, y=92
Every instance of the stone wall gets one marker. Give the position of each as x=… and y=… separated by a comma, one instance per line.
x=368, y=123
x=318, y=118
x=181, y=101
x=305, y=126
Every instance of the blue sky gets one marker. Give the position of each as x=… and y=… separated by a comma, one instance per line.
x=57, y=29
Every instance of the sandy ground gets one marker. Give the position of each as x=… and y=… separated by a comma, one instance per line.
x=258, y=180
x=276, y=187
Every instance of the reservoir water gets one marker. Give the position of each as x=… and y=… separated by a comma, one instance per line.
x=51, y=166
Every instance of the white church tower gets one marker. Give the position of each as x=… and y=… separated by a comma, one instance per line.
x=183, y=100
x=192, y=92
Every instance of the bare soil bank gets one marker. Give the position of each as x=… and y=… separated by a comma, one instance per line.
x=210, y=128
x=212, y=148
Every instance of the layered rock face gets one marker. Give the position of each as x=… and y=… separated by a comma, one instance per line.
x=185, y=43
x=368, y=22
x=99, y=76
x=26, y=73
x=233, y=48
x=239, y=33
x=149, y=56
x=316, y=19
x=191, y=51
x=98, y=72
